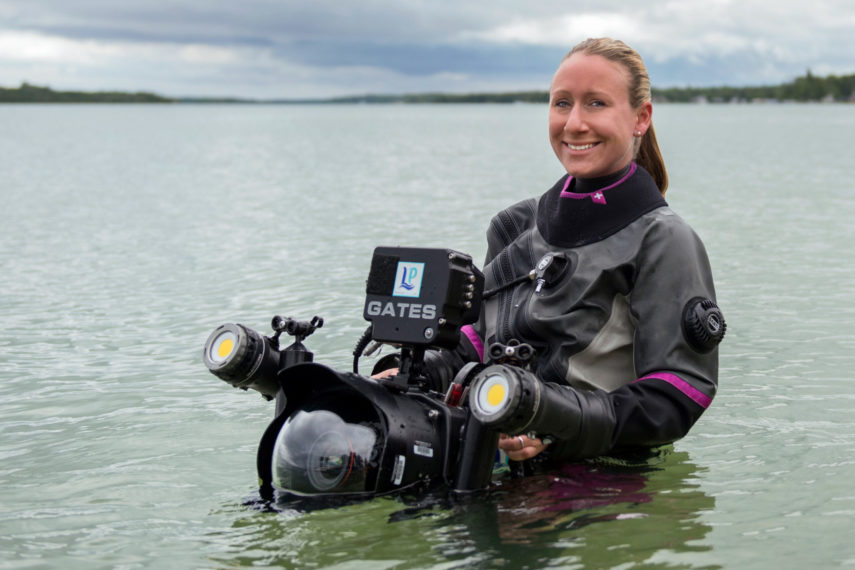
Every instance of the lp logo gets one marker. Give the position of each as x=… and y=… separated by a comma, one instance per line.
x=408, y=279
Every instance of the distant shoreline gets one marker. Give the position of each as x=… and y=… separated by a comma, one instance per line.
x=806, y=89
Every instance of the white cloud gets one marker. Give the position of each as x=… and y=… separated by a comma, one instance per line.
x=39, y=48
x=692, y=28
x=563, y=30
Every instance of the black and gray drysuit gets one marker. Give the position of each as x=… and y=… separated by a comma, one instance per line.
x=613, y=330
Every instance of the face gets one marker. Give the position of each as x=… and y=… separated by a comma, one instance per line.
x=592, y=125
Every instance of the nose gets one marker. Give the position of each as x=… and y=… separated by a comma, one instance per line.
x=575, y=120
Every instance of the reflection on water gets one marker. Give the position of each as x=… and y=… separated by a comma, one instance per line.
x=594, y=514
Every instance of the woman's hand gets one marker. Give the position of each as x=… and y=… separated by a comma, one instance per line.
x=520, y=447
x=385, y=373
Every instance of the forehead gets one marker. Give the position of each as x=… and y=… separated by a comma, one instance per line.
x=591, y=73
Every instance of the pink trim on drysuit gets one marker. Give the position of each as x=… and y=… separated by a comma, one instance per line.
x=475, y=340
x=690, y=391
x=597, y=196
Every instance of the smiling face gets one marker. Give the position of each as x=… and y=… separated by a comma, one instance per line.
x=592, y=125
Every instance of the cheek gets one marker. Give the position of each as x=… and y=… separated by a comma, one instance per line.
x=629, y=121
x=556, y=127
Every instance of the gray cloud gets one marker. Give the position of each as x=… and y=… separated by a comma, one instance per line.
x=286, y=48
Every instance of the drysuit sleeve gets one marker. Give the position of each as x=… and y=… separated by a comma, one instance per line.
x=677, y=365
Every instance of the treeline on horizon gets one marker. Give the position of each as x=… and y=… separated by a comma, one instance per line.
x=802, y=89
x=808, y=88
x=27, y=93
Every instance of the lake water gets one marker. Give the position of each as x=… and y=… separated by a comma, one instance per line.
x=127, y=233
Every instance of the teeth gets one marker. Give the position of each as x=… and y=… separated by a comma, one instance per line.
x=580, y=146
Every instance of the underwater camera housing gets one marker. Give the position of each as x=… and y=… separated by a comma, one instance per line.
x=340, y=433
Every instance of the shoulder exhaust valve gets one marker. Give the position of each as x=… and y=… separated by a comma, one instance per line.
x=703, y=324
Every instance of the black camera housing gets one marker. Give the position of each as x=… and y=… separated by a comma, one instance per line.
x=418, y=436
x=342, y=433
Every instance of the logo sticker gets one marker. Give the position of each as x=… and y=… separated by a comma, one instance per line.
x=422, y=448
x=398, y=470
x=408, y=279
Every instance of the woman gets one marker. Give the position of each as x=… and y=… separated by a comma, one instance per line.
x=625, y=326
x=621, y=312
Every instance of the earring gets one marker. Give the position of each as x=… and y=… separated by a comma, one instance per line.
x=638, y=133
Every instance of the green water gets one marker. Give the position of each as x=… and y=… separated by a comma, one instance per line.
x=127, y=233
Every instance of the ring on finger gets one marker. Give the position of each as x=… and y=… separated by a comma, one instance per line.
x=522, y=443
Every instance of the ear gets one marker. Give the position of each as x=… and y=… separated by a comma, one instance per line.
x=643, y=117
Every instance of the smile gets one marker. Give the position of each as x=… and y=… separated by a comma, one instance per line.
x=581, y=146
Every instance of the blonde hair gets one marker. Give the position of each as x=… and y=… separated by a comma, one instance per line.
x=647, y=153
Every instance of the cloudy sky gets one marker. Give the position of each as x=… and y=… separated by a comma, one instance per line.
x=323, y=48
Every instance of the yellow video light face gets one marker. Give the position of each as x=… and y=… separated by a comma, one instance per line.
x=222, y=346
x=493, y=394
x=225, y=347
x=496, y=394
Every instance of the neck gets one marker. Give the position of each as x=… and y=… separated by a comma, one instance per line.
x=587, y=185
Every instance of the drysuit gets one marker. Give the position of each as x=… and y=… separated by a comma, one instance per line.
x=614, y=324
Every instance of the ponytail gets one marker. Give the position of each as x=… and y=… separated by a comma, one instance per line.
x=650, y=158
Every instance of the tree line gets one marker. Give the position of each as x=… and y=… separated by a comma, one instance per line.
x=27, y=93
x=802, y=89
x=808, y=88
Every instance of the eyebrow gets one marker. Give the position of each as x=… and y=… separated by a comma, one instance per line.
x=592, y=93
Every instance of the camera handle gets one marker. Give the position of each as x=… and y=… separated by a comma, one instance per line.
x=411, y=363
x=411, y=370
x=296, y=353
